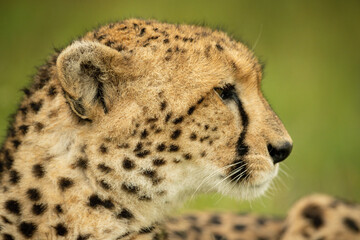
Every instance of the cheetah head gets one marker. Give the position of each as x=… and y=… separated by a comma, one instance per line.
x=168, y=111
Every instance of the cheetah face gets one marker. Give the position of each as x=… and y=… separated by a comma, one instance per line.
x=173, y=118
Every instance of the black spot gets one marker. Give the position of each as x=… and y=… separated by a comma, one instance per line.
x=108, y=204
x=39, y=126
x=103, y=149
x=24, y=129
x=173, y=148
x=83, y=237
x=120, y=48
x=159, y=161
x=82, y=163
x=27, y=92
x=196, y=229
x=142, y=32
x=138, y=147
x=146, y=230
x=178, y=120
x=16, y=143
x=168, y=116
x=187, y=156
x=181, y=234
x=191, y=110
x=52, y=91
x=153, y=38
x=9, y=160
x=130, y=188
x=314, y=214
x=128, y=164
x=219, y=47
x=6, y=220
x=14, y=176
x=27, y=229
x=163, y=105
x=193, y=136
x=351, y=224
x=38, y=171
x=149, y=173
x=13, y=206
x=94, y=200
x=33, y=194
x=175, y=134
x=203, y=154
x=151, y=120
x=125, y=213
x=105, y=185
x=204, y=138
x=58, y=208
x=101, y=37
x=104, y=168
x=36, y=106
x=161, y=147
x=166, y=40
x=219, y=237
x=65, y=183
x=200, y=100
x=61, y=230
x=144, y=134
x=143, y=153
x=261, y=221
x=215, y=220
x=24, y=111
x=38, y=208
x=239, y=227
x=109, y=43
x=206, y=127
x=8, y=237
x=144, y=198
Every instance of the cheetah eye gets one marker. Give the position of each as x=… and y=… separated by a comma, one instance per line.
x=225, y=92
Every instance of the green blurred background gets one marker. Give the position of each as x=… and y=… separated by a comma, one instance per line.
x=312, y=75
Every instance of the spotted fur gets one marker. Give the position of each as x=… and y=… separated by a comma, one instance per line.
x=126, y=123
x=315, y=217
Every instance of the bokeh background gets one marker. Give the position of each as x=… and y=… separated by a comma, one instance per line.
x=312, y=75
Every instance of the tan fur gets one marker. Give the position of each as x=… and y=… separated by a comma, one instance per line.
x=315, y=217
x=124, y=124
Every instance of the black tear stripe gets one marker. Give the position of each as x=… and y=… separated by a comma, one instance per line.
x=241, y=148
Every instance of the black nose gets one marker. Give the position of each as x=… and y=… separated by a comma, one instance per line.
x=279, y=154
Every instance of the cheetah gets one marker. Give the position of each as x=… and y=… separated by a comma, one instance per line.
x=126, y=123
x=314, y=217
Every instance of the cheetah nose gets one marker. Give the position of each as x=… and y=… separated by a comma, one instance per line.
x=279, y=153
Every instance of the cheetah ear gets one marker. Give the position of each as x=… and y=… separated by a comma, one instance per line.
x=86, y=74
